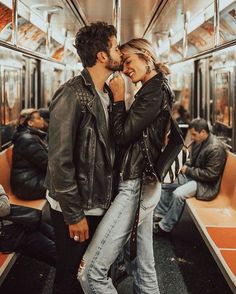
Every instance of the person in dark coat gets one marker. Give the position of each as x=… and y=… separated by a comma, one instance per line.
x=44, y=113
x=38, y=242
x=30, y=156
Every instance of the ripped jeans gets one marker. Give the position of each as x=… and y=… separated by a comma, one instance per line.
x=112, y=235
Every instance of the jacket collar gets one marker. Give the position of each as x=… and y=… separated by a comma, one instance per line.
x=208, y=140
x=26, y=129
x=89, y=82
x=87, y=78
x=151, y=82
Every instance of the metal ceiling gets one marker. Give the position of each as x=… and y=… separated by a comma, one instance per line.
x=135, y=14
x=153, y=19
x=163, y=22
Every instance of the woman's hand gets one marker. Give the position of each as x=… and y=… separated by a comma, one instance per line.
x=117, y=86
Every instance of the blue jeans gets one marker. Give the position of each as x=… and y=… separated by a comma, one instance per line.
x=112, y=235
x=172, y=201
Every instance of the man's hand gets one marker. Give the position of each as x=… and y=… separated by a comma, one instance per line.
x=80, y=231
x=183, y=169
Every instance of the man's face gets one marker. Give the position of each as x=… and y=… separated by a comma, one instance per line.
x=114, y=56
x=198, y=137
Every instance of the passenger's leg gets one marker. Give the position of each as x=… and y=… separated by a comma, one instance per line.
x=166, y=196
x=109, y=239
x=47, y=230
x=39, y=246
x=177, y=204
x=69, y=254
x=164, y=203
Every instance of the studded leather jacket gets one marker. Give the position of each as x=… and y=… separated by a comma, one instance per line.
x=148, y=112
x=80, y=167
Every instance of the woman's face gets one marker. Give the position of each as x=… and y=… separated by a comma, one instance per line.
x=135, y=67
x=36, y=121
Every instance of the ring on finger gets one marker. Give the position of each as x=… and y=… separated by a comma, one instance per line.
x=76, y=238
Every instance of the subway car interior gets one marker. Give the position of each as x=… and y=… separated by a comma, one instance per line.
x=197, y=40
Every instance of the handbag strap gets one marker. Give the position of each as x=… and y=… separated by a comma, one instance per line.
x=148, y=169
x=134, y=232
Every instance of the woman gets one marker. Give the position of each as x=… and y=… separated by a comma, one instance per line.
x=147, y=113
x=30, y=156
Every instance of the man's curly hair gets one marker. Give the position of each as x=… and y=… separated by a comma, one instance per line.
x=92, y=39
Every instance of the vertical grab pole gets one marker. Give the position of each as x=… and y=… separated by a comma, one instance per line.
x=14, y=22
x=216, y=23
x=116, y=17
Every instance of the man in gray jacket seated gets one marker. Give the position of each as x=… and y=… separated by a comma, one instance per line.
x=200, y=177
x=35, y=242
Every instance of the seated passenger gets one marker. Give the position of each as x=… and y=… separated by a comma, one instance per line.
x=181, y=115
x=200, y=177
x=44, y=113
x=30, y=156
x=38, y=243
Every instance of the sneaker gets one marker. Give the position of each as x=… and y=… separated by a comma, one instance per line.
x=157, y=230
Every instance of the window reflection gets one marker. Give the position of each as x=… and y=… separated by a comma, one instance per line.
x=223, y=109
x=227, y=20
x=5, y=23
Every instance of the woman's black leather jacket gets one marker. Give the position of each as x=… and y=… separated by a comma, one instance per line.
x=149, y=111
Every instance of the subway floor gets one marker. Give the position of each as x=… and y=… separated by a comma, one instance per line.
x=183, y=262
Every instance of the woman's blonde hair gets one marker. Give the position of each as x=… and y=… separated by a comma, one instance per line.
x=144, y=49
x=26, y=115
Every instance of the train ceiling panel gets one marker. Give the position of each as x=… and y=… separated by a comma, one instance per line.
x=62, y=20
x=135, y=15
x=171, y=19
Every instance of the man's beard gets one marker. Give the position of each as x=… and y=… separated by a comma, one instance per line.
x=113, y=65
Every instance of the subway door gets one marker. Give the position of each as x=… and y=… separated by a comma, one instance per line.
x=203, y=100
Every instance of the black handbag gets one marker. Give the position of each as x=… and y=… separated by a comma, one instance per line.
x=170, y=152
x=160, y=168
x=25, y=216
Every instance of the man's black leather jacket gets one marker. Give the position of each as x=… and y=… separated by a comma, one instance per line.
x=148, y=112
x=79, y=168
x=206, y=167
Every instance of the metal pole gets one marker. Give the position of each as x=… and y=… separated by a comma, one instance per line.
x=14, y=22
x=216, y=23
x=48, y=37
x=185, y=36
x=116, y=17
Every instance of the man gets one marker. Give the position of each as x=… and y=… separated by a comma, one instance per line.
x=200, y=177
x=81, y=154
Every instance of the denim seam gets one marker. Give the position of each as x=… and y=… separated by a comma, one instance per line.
x=103, y=241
